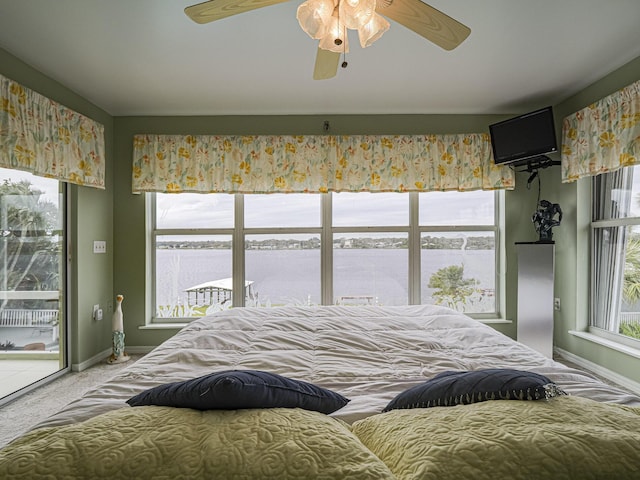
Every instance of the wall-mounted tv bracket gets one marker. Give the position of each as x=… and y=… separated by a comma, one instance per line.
x=536, y=163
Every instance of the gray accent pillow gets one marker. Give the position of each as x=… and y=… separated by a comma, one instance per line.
x=238, y=389
x=465, y=387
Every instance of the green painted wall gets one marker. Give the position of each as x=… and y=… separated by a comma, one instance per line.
x=129, y=227
x=91, y=219
x=97, y=278
x=572, y=246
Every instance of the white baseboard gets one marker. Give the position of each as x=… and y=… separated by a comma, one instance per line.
x=100, y=357
x=79, y=367
x=621, y=380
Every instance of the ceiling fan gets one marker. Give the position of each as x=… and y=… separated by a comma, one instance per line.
x=328, y=20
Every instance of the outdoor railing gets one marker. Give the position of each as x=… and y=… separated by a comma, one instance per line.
x=27, y=318
x=630, y=317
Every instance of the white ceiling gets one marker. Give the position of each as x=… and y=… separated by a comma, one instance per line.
x=146, y=57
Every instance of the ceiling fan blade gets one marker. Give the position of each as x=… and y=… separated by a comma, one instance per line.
x=426, y=21
x=326, y=64
x=216, y=9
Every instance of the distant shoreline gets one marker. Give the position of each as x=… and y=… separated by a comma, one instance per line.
x=427, y=242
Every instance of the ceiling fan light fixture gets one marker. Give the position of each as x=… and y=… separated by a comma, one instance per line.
x=319, y=19
x=356, y=13
x=314, y=17
x=335, y=40
x=372, y=30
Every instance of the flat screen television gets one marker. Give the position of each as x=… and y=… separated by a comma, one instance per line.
x=523, y=138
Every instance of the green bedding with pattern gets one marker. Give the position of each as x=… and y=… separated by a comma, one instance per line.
x=564, y=438
x=181, y=443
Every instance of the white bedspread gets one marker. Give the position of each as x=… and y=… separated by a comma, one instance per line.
x=368, y=354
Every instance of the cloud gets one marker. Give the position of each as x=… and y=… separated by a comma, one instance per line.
x=48, y=186
x=304, y=210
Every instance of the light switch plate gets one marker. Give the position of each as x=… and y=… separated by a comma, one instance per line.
x=99, y=246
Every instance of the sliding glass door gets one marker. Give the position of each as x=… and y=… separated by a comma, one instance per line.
x=32, y=280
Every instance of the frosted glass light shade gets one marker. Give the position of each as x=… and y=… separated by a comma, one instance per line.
x=314, y=17
x=335, y=31
x=372, y=30
x=355, y=14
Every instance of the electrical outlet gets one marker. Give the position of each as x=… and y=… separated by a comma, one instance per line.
x=97, y=313
x=556, y=304
x=99, y=246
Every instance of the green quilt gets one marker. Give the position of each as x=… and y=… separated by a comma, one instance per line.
x=179, y=443
x=565, y=438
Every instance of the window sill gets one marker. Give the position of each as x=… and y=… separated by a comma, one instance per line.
x=494, y=320
x=633, y=352
x=178, y=325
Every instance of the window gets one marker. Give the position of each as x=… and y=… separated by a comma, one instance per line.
x=615, y=255
x=283, y=269
x=312, y=249
x=370, y=248
x=458, y=250
x=185, y=267
x=32, y=277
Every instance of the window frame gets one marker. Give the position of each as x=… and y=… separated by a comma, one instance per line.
x=596, y=224
x=326, y=232
x=66, y=209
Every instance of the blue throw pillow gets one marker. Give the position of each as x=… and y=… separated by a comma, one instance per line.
x=462, y=388
x=237, y=389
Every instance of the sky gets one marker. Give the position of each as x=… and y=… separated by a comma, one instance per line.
x=303, y=210
x=635, y=193
x=300, y=210
x=629, y=199
x=49, y=186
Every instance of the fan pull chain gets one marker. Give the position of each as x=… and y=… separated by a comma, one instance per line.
x=344, y=50
x=338, y=41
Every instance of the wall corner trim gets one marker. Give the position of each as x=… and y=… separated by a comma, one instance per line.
x=97, y=358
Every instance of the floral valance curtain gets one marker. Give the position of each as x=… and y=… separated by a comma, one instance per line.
x=316, y=163
x=43, y=137
x=603, y=136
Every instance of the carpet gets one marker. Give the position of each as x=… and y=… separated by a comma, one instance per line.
x=25, y=412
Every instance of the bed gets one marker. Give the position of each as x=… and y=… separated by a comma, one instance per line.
x=369, y=355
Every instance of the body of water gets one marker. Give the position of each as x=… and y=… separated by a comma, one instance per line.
x=293, y=276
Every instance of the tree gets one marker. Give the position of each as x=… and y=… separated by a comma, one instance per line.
x=451, y=287
x=631, y=286
x=29, y=246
